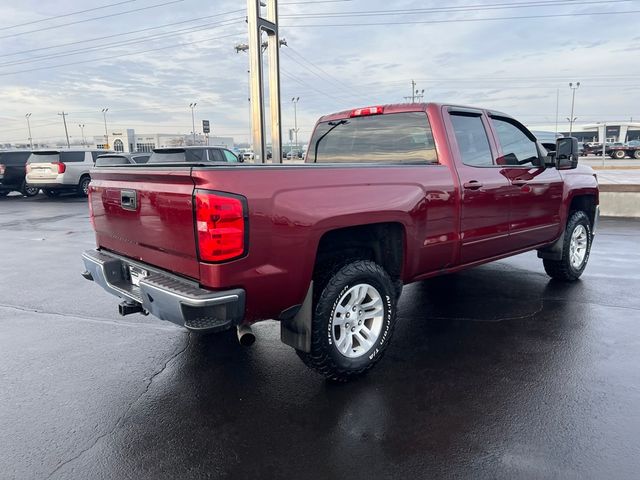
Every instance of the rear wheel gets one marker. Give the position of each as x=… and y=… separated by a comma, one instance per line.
x=575, y=250
x=51, y=193
x=619, y=154
x=353, y=320
x=636, y=154
x=29, y=190
x=83, y=186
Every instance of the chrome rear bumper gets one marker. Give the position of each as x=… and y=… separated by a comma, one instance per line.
x=164, y=295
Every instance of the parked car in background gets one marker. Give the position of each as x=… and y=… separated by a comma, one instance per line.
x=193, y=155
x=122, y=159
x=12, y=173
x=582, y=149
x=57, y=171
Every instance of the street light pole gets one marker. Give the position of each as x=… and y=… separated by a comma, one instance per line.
x=84, y=144
x=573, y=88
x=106, y=132
x=66, y=132
x=295, y=101
x=29, y=127
x=192, y=106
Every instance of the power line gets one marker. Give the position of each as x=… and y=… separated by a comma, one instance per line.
x=207, y=26
x=67, y=15
x=130, y=32
x=455, y=8
x=458, y=20
x=306, y=84
x=93, y=60
x=157, y=5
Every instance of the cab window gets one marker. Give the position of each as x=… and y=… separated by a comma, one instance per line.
x=472, y=140
x=517, y=148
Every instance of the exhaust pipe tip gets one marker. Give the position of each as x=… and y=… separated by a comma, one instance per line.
x=246, y=336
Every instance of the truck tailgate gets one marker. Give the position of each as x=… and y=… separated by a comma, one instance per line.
x=146, y=214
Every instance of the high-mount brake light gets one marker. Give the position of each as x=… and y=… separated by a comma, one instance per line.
x=220, y=225
x=363, y=112
x=61, y=166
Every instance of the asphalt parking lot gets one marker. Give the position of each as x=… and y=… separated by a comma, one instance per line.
x=496, y=372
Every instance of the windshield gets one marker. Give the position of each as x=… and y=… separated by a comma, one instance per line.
x=391, y=138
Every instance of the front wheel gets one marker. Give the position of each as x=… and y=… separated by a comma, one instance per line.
x=575, y=250
x=353, y=321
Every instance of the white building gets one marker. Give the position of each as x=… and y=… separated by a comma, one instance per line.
x=129, y=141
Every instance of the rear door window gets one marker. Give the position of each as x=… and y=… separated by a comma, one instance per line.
x=215, y=155
x=472, y=140
x=391, y=138
x=196, y=155
x=69, y=157
x=140, y=158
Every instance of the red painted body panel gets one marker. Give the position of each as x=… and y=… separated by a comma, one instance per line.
x=290, y=208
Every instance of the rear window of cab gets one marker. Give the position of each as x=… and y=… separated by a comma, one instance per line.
x=394, y=138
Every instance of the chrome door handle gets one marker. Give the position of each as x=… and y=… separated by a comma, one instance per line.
x=472, y=185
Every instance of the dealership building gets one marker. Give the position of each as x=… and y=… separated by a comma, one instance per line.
x=596, y=132
x=130, y=141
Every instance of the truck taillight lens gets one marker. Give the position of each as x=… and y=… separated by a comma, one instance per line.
x=61, y=166
x=220, y=225
x=2, y=168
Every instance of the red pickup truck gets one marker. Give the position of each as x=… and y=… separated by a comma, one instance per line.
x=388, y=195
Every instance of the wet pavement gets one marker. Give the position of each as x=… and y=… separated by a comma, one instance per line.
x=496, y=372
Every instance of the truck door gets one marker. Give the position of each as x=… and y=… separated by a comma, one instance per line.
x=484, y=190
x=536, y=191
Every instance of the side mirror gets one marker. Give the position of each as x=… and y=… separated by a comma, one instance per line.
x=566, y=153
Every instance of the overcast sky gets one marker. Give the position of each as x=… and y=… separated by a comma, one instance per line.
x=147, y=65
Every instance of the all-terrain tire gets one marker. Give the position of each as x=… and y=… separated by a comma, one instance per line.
x=83, y=186
x=325, y=357
x=564, y=269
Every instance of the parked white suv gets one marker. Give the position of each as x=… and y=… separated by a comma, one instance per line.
x=56, y=171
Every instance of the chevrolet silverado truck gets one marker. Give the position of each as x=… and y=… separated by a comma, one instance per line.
x=388, y=195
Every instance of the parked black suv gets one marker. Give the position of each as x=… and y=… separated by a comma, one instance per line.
x=12, y=172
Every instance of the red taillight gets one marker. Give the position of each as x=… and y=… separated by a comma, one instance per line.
x=361, y=112
x=220, y=224
x=28, y=168
x=61, y=166
x=90, y=199
x=2, y=168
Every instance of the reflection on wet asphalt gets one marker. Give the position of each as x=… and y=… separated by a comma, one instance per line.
x=496, y=372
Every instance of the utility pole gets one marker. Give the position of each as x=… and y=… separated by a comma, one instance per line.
x=29, y=127
x=415, y=93
x=106, y=132
x=192, y=106
x=573, y=88
x=295, y=101
x=66, y=132
x=81, y=125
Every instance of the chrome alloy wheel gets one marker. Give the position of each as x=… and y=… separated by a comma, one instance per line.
x=578, y=246
x=357, y=320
